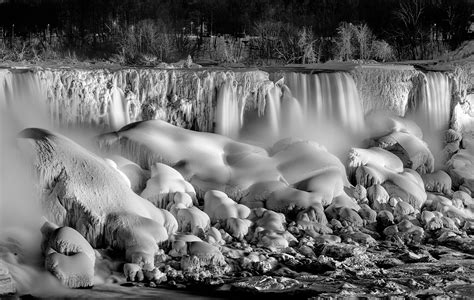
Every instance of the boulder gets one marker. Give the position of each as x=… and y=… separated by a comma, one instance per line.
x=74, y=271
x=438, y=181
x=220, y=207
x=81, y=190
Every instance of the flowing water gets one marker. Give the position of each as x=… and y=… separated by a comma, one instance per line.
x=225, y=102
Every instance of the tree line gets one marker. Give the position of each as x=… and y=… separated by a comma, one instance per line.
x=97, y=27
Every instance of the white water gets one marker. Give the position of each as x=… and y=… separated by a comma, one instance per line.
x=430, y=102
x=328, y=97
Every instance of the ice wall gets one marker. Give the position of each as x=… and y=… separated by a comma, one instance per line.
x=187, y=98
x=385, y=88
x=227, y=102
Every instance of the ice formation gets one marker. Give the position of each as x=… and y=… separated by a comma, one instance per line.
x=163, y=185
x=211, y=161
x=81, y=190
x=179, y=204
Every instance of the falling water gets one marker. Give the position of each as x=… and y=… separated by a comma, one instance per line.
x=328, y=97
x=234, y=104
x=432, y=104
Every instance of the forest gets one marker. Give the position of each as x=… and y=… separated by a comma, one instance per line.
x=235, y=31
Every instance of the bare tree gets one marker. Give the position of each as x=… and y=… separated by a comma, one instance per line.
x=410, y=14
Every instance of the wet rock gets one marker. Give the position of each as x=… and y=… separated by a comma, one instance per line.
x=306, y=251
x=451, y=136
x=312, y=218
x=449, y=223
x=378, y=197
x=409, y=232
x=426, y=217
x=458, y=203
x=402, y=210
x=385, y=218
x=268, y=283
x=336, y=225
x=268, y=219
x=155, y=276
x=469, y=227
x=438, y=181
x=341, y=251
x=214, y=236
x=327, y=238
x=464, y=197
x=358, y=237
x=133, y=272
x=270, y=239
x=367, y=214
x=405, y=231
x=238, y=228
x=360, y=194
x=206, y=253
x=349, y=216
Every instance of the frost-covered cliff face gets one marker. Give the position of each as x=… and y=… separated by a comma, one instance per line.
x=232, y=102
x=187, y=98
x=384, y=89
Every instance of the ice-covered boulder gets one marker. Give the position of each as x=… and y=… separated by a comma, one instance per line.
x=135, y=174
x=65, y=240
x=463, y=115
x=268, y=219
x=270, y=230
x=378, y=196
x=192, y=219
x=164, y=183
x=313, y=219
x=412, y=150
x=461, y=169
x=114, y=166
x=74, y=271
x=378, y=166
x=278, y=196
x=438, y=181
x=214, y=162
x=220, y=207
x=236, y=227
x=81, y=190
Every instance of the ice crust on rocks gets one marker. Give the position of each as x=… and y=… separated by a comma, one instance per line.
x=214, y=162
x=68, y=256
x=81, y=190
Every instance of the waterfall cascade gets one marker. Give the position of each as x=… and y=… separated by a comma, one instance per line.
x=430, y=103
x=187, y=98
x=327, y=97
x=229, y=102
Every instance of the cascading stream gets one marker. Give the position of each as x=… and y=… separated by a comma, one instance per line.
x=327, y=97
